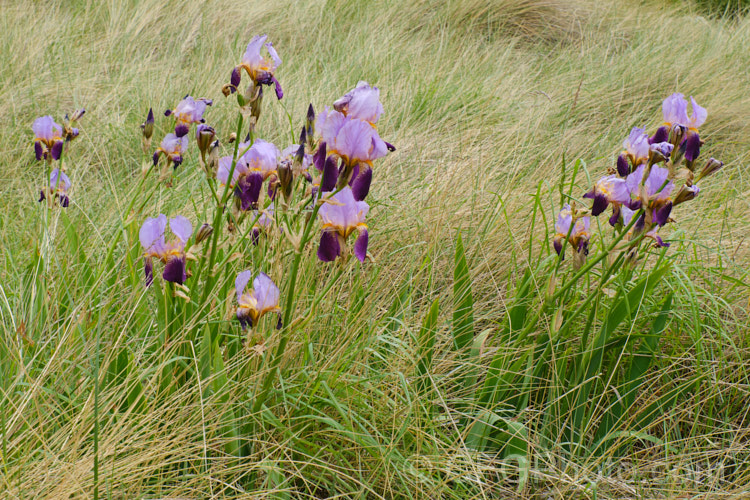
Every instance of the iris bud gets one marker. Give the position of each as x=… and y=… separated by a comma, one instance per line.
x=676, y=134
x=148, y=126
x=286, y=178
x=205, y=137
x=204, y=232
x=712, y=166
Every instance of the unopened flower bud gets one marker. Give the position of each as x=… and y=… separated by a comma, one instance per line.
x=659, y=152
x=676, y=134
x=310, y=123
x=78, y=114
x=204, y=136
x=286, y=179
x=148, y=126
x=203, y=233
x=686, y=193
x=712, y=166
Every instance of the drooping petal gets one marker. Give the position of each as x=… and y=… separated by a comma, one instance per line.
x=277, y=88
x=56, y=150
x=600, y=204
x=623, y=168
x=661, y=215
x=38, y=150
x=330, y=174
x=248, y=189
x=174, y=270
x=319, y=158
x=181, y=129
x=360, y=246
x=329, y=247
x=661, y=135
x=693, y=146
x=361, y=184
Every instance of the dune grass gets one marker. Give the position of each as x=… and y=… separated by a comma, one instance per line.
x=485, y=101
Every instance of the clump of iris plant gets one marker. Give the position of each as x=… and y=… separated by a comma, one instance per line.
x=172, y=253
x=341, y=214
x=650, y=177
x=256, y=302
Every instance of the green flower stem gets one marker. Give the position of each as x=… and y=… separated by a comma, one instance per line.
x=288, y=306
x=220, y=212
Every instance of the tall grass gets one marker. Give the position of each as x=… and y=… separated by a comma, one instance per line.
x=485, y=102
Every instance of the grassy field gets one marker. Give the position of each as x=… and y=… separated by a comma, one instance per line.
x=490, y=103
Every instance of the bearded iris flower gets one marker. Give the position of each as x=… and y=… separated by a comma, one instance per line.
x=636, y=146
x=59, y=184
x=261, y=299
x=260, y=69
x=674, y=109
x=578, y=236
x=48, y=140
x=341, y=215
x=652, y=194
x=356, y=143
x=608, y=190
x=173, y=148
x=252, y=168
x=187, y=112
x=362, y=102
x=172, y=254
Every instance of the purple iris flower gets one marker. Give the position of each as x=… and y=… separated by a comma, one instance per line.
x=264, y=223
x=637, y=146
x=173, y=148
x=608, y=190
x=653, y=194
x=341, y=215
x=59, y=184
x=660, y=151
x=259, y=68
x=253, y=167
x=187, y=112
x=362, y=102
x=674, y=110
x=172, y=254
x=48, y=140
x=356, y=142
x=579, y=235
x=261, y=299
